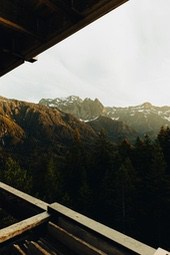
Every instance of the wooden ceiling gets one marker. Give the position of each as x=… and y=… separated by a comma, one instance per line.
x=29, y=27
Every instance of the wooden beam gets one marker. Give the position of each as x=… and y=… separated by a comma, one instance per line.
x=15, y=17
x=13, y=25
x=88, y=18
x=13, y=54
x=36, y=249
x=23, y=226
x=17, y=27
x=75, y=244
x=23, y=196
x=18, y=55
x=18, y=250
x=10, y=66
x=114, y=237
x=61, y=5
x=27, y=18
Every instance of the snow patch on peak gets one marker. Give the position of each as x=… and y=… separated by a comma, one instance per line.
x=167, y=118
x=146, y=105
x=115, y=118
x=73, y=98
x=90, y=119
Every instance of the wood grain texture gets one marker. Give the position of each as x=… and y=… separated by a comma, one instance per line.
x=23, y=226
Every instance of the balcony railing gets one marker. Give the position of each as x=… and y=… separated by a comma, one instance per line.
x=50, y=228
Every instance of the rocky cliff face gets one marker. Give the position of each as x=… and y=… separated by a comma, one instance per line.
x=144, y=118
x=86, y=109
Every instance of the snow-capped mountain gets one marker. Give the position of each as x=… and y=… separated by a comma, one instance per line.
x=63, y=101
x=144, y=118
x=85, y=110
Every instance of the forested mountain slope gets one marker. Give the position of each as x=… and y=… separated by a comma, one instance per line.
x=22, y=121
x=115, y=130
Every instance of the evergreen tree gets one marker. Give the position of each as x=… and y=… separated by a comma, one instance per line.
x=158, y=191
x=15, y=176
x=101, y=163
x=126, y=184
x=164, y=140
x=109, y=192
x=73, y=174
x=125, y=149
x=53, y=180
x=142, y=156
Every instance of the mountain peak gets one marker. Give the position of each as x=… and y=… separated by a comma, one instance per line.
x=147, y=105
x=144, y=118
x=73, y=98
x=86, y=109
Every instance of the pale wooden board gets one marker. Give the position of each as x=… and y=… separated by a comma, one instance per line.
x=19, y=194
x=161, y=252
x=23, y=226
x=111, y=234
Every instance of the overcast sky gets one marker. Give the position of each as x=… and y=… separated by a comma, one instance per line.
x=123, y=59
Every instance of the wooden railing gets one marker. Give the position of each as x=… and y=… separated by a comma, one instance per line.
x=78, y=233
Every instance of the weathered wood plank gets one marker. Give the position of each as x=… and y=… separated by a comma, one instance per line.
x=89, y=237
x=74, y=243
x=18, y=250
x=101, y=230
x=61, y=5
x=161, y=252
x=47, y=247
x=36, y=249
x=19, y=16
x=23, y=226
x=14, y=26
x=19, y=194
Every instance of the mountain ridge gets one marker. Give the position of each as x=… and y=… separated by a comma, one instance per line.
x=29, y=124
x=144, y=118
x=21, y=121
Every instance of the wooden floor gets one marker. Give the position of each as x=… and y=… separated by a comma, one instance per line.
x=46, y=242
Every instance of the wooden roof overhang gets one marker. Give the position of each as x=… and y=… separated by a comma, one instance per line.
x=29, y=27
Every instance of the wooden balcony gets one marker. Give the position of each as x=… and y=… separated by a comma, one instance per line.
x=56, y=229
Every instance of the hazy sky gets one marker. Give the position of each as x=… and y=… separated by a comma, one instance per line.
x=122, y=59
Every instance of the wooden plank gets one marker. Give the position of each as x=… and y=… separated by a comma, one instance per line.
x=23, y=226
x=101, y=230
x=17, y=27
x=47, y=247
x=36, y=249
x=18, y=250
x=89, y=237
x=61, y=5
x=92, y=14
x=19, y=194
x=19, y=16
x=161, y=252
x=72, y=242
